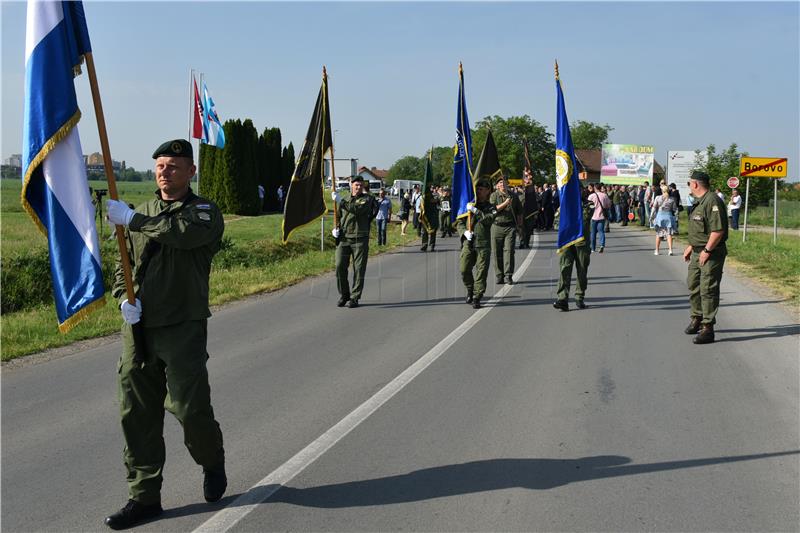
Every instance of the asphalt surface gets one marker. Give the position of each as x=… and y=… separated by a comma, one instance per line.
x=529, y=419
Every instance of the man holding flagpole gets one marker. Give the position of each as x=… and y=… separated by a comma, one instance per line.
x=572, y=246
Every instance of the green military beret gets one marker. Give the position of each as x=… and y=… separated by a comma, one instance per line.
x=175, y=148
x=699, y=175
x=483, y=182
x=356, y=178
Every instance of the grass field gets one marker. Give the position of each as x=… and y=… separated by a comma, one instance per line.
x=253, y=261
x=788, y=215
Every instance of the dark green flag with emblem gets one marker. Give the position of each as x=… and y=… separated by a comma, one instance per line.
x=427, y=195
x=488, y=166
x=304, y=200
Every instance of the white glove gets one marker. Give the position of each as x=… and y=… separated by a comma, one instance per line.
x=131, y=313
x=335, y=232
x=468, y=235
x=335, y=197
x=119, y=213
x=471, y=208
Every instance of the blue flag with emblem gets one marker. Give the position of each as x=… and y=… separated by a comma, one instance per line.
x=55, y=189
x=570, y=222
x=463, y=186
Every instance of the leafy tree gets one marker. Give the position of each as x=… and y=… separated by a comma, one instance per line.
x=723, y=165
x=588, y=135
x=508, y=135
x=406, y=168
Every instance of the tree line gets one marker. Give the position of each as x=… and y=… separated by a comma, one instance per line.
x=230, y=176
x=511, y=133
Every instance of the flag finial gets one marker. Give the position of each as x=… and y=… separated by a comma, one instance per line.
x=324, y=72
x=556, y=68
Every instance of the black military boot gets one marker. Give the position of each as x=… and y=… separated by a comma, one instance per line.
x=352, y=304
x=694, y=326
x=706, y=335
x=469, y=297
x=476, y=303
x=499, y=281
x=134, y=513
x=509, y=280
x=424, y=248
x=561, y=305
x=342, y=301
x=580, y=304
x=214, y=483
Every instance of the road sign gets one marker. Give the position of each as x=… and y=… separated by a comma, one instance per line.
x=733, y=182
x=763, y=167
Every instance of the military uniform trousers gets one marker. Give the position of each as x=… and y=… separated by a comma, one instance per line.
x=428, y=238
x=471, y=258
x=503, y=241
x=527, y=230
x=579, y=257
x=358, y=248
x=445, y=224
x=703, y=283
x=174, y=377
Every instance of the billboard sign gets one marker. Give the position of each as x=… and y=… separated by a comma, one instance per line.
x=680, y=164
x=627, y=164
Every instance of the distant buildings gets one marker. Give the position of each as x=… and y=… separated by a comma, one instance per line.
x=93, y=162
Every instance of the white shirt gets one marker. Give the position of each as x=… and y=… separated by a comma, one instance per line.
x=735, y=203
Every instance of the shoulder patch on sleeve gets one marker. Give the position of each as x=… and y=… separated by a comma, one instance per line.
x=715, y=208
x=204, y=216
x=203, y=206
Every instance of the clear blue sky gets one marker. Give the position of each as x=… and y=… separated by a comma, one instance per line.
x=675, y=75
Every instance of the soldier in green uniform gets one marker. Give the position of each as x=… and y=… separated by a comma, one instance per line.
x=444, y=214
x=578, y=255
x=504, y=231
x=476, y=244
x=530, y=210
x=429, y=219
x=708, y=231
x=355, y=219
x=171, y=241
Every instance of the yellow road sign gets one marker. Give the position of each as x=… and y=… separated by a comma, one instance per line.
x=513, y=182
x=763, y=167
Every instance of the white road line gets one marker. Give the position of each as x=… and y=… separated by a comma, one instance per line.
x=226, y=518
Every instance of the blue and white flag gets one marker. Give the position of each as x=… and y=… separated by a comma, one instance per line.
x=463, y=188
x=212, y=127
x=570, y=221
x=55, y=190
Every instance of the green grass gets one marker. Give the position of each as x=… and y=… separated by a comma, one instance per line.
x=788, y=215
x=252, y=261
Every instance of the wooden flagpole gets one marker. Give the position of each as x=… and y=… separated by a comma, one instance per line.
x=333, y=171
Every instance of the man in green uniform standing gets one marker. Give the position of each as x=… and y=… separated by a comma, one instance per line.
x=171, y=241
x=578, y=255
x=530, y=210
x=444, y=214
x=708, y=231
x=355, y=219
x=476, y=243
x=429, y=219
x=504, y=231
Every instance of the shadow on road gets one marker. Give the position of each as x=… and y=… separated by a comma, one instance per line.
x=488, y=475
x=771, y=332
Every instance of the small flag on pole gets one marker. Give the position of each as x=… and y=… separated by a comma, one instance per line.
x=488, y=165
x=198, y=132
x=212, y=127
x=570, y=222
x=463, y=187
x=55, y=189
x=304, y=201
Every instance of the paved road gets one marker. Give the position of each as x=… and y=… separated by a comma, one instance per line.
x=606, y=419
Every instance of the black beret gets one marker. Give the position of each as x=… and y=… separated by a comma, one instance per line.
x=356, y=178
x=175, y=148
x=699, y=175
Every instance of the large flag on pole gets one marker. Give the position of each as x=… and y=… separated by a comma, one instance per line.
x=570, y=222
x=304, y=200
x=427, y=196
x=212, y=127
x=463, y=186
x=198, y=132
x=488, y=165
x=55, y=189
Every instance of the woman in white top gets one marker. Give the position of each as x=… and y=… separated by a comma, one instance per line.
x=663, y=218
x=733, y=208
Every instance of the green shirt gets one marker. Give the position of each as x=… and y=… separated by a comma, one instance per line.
x=481, y=224
x=356, y=214
x=170, y=245
x=708, y=215
x=508, y=216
